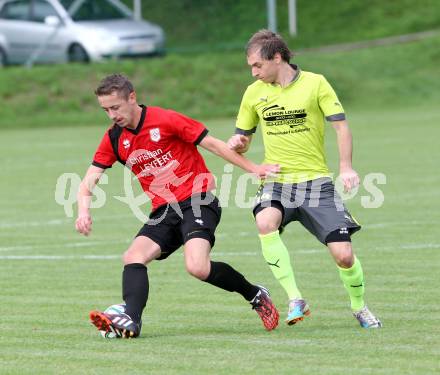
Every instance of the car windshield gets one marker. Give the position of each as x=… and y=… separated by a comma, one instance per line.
x=92, y=10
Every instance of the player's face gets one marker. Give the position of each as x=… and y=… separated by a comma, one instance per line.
x=118, y=109
x=262, y=69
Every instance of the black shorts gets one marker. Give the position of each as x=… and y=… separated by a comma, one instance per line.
x=172, y=225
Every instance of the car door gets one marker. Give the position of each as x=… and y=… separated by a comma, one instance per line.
x=47, y=39
x=14, y=17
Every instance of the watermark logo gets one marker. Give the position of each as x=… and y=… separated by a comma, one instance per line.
x=162, y=170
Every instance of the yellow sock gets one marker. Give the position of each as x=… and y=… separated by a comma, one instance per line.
x=277, y=256
x=353, y=280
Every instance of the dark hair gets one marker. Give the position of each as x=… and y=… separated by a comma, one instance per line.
x=115, y=83
x=269, y=43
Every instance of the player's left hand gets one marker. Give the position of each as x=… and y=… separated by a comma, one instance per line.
x=350, y=178
x=267, y=170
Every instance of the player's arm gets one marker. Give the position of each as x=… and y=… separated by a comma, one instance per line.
x=83, y=223
x=240, y=143
x=245, y=126
x=220, y=148
x=348, y=175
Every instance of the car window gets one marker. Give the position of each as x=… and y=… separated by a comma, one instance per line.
x=41, y=9
x=97, y=10
x=16, y=10
x=66, y=3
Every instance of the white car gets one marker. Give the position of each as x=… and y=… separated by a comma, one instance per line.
x=73, y=30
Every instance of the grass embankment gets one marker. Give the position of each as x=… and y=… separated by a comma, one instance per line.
x=210, y=85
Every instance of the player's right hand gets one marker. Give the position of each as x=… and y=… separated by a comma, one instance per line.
x=83, y=224
x=268, y=170
x=237, y=142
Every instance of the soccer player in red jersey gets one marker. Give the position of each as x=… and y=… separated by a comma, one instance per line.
x=160, y=148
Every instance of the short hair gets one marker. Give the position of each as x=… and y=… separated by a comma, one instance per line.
x=115, y=83
x=269, y=43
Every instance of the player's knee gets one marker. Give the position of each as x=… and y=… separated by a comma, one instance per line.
x=342, y=253
x=339, y=243
x=268, y=219
x=126, y=257
x=199, y=271
x=266, y=226
x=197, y=268
x=136, y=254
x=130, y=257
x=345, y=260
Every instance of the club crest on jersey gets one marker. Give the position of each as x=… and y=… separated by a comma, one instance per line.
x=155, y=134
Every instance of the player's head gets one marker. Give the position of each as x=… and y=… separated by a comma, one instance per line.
x=266, y=51
x=117, y=97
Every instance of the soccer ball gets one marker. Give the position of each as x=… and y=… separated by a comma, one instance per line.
x=113, y=310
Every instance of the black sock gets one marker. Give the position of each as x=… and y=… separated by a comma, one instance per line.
x=135, y=288
x=223, y=276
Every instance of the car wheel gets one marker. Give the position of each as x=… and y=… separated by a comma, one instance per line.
x=3, y=59
x=78, y=54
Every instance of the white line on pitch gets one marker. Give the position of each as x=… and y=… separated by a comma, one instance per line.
x=24, y=224
x=43, y=223
x=60, y=245
x=58, y=257
x=417, y=246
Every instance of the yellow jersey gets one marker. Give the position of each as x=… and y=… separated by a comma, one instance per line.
x=292, y=121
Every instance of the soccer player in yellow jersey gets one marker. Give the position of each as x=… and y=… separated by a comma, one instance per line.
x=291, y=107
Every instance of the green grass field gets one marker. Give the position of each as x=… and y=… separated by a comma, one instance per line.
x=229, y=23
x=50, y=277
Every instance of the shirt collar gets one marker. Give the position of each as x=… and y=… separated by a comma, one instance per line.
x=294, y=78
x=141, y=121
x=298, y=71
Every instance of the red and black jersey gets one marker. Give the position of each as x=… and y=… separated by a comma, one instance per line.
x=162, y=153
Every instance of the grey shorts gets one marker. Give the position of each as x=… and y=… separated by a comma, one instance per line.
x=315, y=204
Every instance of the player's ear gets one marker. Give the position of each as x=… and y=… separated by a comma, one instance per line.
x=277, y=58
x=132, y=97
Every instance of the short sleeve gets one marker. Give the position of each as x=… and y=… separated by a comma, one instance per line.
x=186, y=128
x=104, y=155
x=329, y=102
x=247, y=118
